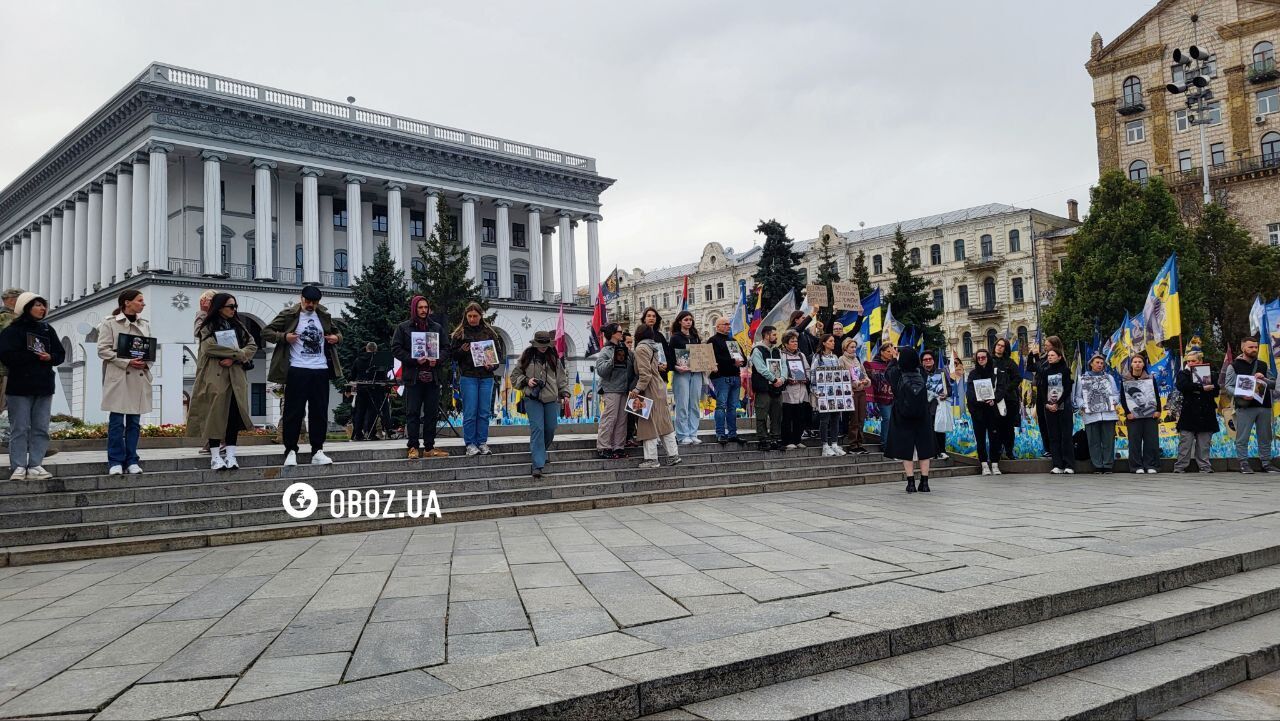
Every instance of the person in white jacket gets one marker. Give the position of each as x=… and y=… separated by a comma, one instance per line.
x=1098, y=397
x=126, y=382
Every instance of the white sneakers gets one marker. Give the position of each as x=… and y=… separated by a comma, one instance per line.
x=38, y=473
x=229, y=454
x=291, y=459
x=218, y=463
x=995, y=469
x=791, y=446
x=833, y=449
x=943, y=456
x=1056, y=471
x=839, y=451
x=115, y=471
x=19, y=474
x=320, y=459
x=696, y=441
x=484, y=450
x=1069, y=470
x=649, y=464
x=473, y=451
x=135, y=469
x=986, y=469
x=826, y=450
x=686, y=441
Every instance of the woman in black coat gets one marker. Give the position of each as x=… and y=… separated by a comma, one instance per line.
x=30, y=349
x=911, y=427
x=1009, y=423
x=1198, y=420
x=986, y=417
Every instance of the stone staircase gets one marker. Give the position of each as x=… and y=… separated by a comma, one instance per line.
x=1127, y=641
x=178, y=503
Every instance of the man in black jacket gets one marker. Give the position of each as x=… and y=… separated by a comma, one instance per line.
x=410, y=345
x=369, y=399
x=768, y=389
x=728, y=384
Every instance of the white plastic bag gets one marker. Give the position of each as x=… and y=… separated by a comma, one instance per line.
x=943, y=422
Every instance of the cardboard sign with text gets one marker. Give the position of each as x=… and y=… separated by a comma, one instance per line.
x=702, y=357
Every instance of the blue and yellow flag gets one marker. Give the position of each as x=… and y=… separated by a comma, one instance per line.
x=872, y=313
x=1119, y=346
x=892, y=330
x=1162, y=312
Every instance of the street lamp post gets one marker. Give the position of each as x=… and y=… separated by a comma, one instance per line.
x=1195, y=85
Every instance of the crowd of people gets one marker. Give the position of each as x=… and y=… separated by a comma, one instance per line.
x=785, y=371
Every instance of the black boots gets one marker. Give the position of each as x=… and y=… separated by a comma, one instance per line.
x=924, y=484
x=911, y=484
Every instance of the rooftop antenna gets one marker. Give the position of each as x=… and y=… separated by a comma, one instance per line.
x=351, y=99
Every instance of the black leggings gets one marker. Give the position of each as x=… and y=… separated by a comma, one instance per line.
x=795, y=419
x=986, y=435
x=234, y=426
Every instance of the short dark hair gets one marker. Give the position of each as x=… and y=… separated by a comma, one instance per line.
x=609, y=330
x=1249, y=338
x=644, y=332
x=766, y=329
x=929, y=354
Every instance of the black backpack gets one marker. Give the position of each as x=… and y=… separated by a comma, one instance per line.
x=911, y=397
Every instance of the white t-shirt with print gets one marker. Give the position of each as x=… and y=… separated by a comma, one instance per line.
x=308, y=350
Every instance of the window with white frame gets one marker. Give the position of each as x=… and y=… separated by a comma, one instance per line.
x=1213, y=113
x=1184, y=160
x=1273, y=233
x=1134, y=132
x=1269, y=101
x=1218, y=154
x=1181, y=121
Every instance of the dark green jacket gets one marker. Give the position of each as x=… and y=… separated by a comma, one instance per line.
x=284, y=324
x=6, y=317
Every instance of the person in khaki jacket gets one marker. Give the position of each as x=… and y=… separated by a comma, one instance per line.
x=540, y=376
x=651, y=384
x=304, y=360
x=6, y=317
x=126, y=382
x=220, y=397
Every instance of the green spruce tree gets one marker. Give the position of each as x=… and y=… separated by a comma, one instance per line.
x=861, y=276
x=828, y=275
x=380, y=302
x=1236, y=270
x=1131, y=231
x=909, y=295
x=779, y=268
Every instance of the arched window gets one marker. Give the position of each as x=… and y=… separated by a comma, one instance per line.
x=297, y=256
x=989, y=293
x=1264, y=53
x=991, y=339
x=877, y=264
x=1022, y=338
x=1015, y=241
x=1017, y=290
x=915, y=257
x=986, y=247
x=959, y=248
x=1138, y=171
x=1132, y=91
x=967, y=342
x=935, y=254
x=1271, y=147
x=421, y=267
x=340, y=278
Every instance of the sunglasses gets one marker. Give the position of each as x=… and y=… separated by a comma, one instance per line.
x=232, y=306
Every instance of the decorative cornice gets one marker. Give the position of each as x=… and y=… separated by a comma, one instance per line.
x=124, y=169
x=69, y=204
x=1240, y=29
x=107, y=179
x=562, y=213
x=46, y=220
x=431, y=192
x=548, y=229
x=1148, y=54
x=80, y=197
x=593, y=217
x=357, y=179
x=212, y=155
x=532, y=208
x=158, y=147
x=261, y=163
x=57, y=212
x=227, y=233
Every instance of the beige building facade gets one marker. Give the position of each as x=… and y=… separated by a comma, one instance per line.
x=989, y=270
x=1145, y=131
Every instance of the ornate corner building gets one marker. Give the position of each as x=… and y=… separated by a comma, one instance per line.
x=1145, y=131
x=185, y=180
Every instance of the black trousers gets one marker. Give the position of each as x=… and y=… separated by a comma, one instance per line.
x=986, y=435
x=234, y=426
x=306, y=392
x=421, y=411
x=795, y=419
x=1057, y=431
x=1007, y=424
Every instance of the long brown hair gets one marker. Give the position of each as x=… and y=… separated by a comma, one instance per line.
x=462, y=323
x=693, y=329
x=124, y=297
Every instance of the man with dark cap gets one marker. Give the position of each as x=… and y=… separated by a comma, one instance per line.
x=304, y=360
x=6, y=317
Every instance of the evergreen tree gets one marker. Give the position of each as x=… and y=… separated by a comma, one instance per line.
x=779, y=267
x=1236, y=270
x=861, y=276
x=1131, y=231
x=909, y=295
x=380, y=303
x=828, y=275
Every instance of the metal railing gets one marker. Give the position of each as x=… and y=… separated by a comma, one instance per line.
x=288, y=275
x=334, y=279
x=1131, y=106
x=983, y=261
x=1267, y=161
x=237, y=271
x=987, y=310
x=185, y=266
x=520, y=294
x=216, y=85
x=1262, y=71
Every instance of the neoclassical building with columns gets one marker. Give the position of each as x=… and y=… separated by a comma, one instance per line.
x=185, y=180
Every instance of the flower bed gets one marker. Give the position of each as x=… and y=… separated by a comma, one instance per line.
x=167, y=430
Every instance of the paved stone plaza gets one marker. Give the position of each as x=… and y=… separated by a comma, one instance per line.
x=350, y=625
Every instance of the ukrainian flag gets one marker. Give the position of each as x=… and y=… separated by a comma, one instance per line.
x=1163, y=309
x=1119, y=345
x=872, y=312
x=892, y=330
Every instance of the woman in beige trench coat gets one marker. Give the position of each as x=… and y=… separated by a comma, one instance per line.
x=652, y=384
x=126, y=382
x=220, y=399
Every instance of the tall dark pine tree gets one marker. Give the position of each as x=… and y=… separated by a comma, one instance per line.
x=909, y=295
x=380, y=303
x=861, y=276
x=828, y=275
x=779, y=267
x=441, y=277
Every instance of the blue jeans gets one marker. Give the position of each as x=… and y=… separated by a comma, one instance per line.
x=543, y=418
x=727, y=392
x=122, y=439
x=28, y=430
x=885, y=413
x=688, y=390
x=477, y=407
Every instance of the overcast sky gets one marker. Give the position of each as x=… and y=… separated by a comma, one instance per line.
x=711, y=115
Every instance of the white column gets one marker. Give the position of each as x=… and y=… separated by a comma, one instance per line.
x=406, y=244
x=264, y=262
x=124, y=222
x=356, y=261
x=503, y=222
x=593, y=255
x=368, y=249
x=67, y=288
x=158, y=208
x=287, y=225
x=533, y=238
x=140, y=231
x=433, y=210
x=211, y=247
x=310, y=225
x=20, y=244
x=55, y=248
x=107, y=259
x=46, y=257
x=566, y=256
x=94, y=240
x=573, y=259
x=33, y=259
x=548, y=267
x=81, y=256
x=6, y=264
x=469, y=236
x=326, y=238
x=395, y=228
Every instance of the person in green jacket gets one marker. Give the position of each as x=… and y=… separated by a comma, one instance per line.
x=304, y=360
